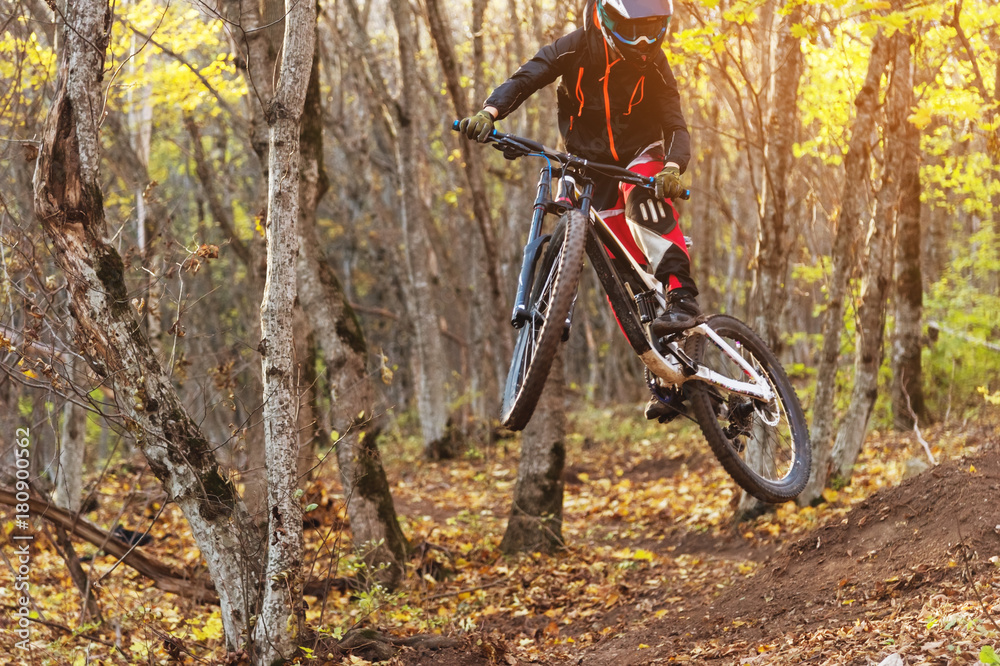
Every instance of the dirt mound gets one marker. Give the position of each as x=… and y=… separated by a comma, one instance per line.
x=944, y=523
x=945, y=519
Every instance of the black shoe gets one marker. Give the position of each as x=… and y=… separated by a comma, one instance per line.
x=682, y=313
x=657, y=410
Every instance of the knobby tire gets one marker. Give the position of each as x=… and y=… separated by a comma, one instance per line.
x=766, y=450
x=551, y=297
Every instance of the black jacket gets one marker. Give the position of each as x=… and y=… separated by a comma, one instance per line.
x=609, y=111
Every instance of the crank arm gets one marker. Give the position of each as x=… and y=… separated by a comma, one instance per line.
x=668, y=370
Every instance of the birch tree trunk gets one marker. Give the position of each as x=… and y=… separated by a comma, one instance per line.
x=535, y=522
x=69, y=204
x=338, y=332
x=854, y=204
x=282, y=616
x=907, y=373
x=432, y=400
x=877, y=277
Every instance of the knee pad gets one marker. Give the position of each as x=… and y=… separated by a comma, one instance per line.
x=644, y=209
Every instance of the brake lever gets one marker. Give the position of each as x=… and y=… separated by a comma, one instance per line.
x=511, y=149
x=511, y=152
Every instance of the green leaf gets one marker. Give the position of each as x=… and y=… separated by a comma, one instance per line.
x=311, y=507
x=988, y=656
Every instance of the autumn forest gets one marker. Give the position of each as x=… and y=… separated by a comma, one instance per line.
x=256, y=332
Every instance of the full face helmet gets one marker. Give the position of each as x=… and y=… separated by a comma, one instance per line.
x=634, y=29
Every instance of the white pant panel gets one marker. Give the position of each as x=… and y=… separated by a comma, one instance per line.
x=652, y=244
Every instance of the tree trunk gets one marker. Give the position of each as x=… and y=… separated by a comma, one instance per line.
x=69, y=472
x=91, y=610
x=222, y=215
x=258, y=30
x=149, y=213
x=496, y=347
x=338, y=332
x=130, y=163
x=472, y=158
x=854, y=202
x=775, y=240
x=777, y=236
x=281, y=615
x=907, y=374
x=69, y=204
x=370, y=509
x=535, y=522
x=306, y=353
x=993, y=143
x=430, y=362
x=877, y=277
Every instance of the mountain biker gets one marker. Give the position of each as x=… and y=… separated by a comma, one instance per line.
x=618, y=103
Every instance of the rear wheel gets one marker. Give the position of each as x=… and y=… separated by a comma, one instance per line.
x=549, y=303
x=763, y=445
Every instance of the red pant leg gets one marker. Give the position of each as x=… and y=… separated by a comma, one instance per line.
x=644, y=165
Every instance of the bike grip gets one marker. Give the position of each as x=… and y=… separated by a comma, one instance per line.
x=454, y=125
x=686, y=195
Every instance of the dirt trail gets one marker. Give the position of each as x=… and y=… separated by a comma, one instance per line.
x=846, y=593
x=941, y=525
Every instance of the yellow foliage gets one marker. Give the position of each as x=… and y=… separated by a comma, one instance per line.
x=211, y=630
x=991, y=398
x=921, y=118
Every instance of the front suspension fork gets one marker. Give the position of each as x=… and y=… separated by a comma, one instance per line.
x=532, y=250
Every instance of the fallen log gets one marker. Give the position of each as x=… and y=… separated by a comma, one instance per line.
x=164, y=576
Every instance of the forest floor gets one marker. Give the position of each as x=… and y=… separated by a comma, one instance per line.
x=654, y=569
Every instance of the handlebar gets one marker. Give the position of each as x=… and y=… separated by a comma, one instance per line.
x=516, y=146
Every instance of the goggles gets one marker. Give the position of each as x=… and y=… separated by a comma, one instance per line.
x=634, y=31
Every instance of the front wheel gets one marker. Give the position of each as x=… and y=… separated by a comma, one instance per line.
x=549, y=303
x=763, y=446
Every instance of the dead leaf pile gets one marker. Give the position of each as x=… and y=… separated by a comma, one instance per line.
x=651, y=562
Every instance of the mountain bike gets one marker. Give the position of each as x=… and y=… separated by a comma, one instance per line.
x=718, y=373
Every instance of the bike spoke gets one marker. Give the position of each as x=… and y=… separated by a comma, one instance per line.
x=762, y=445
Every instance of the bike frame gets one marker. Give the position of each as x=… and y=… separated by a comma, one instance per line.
x=632, y=291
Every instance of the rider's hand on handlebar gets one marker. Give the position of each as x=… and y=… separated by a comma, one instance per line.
x=477, y=127
x=668, y=183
